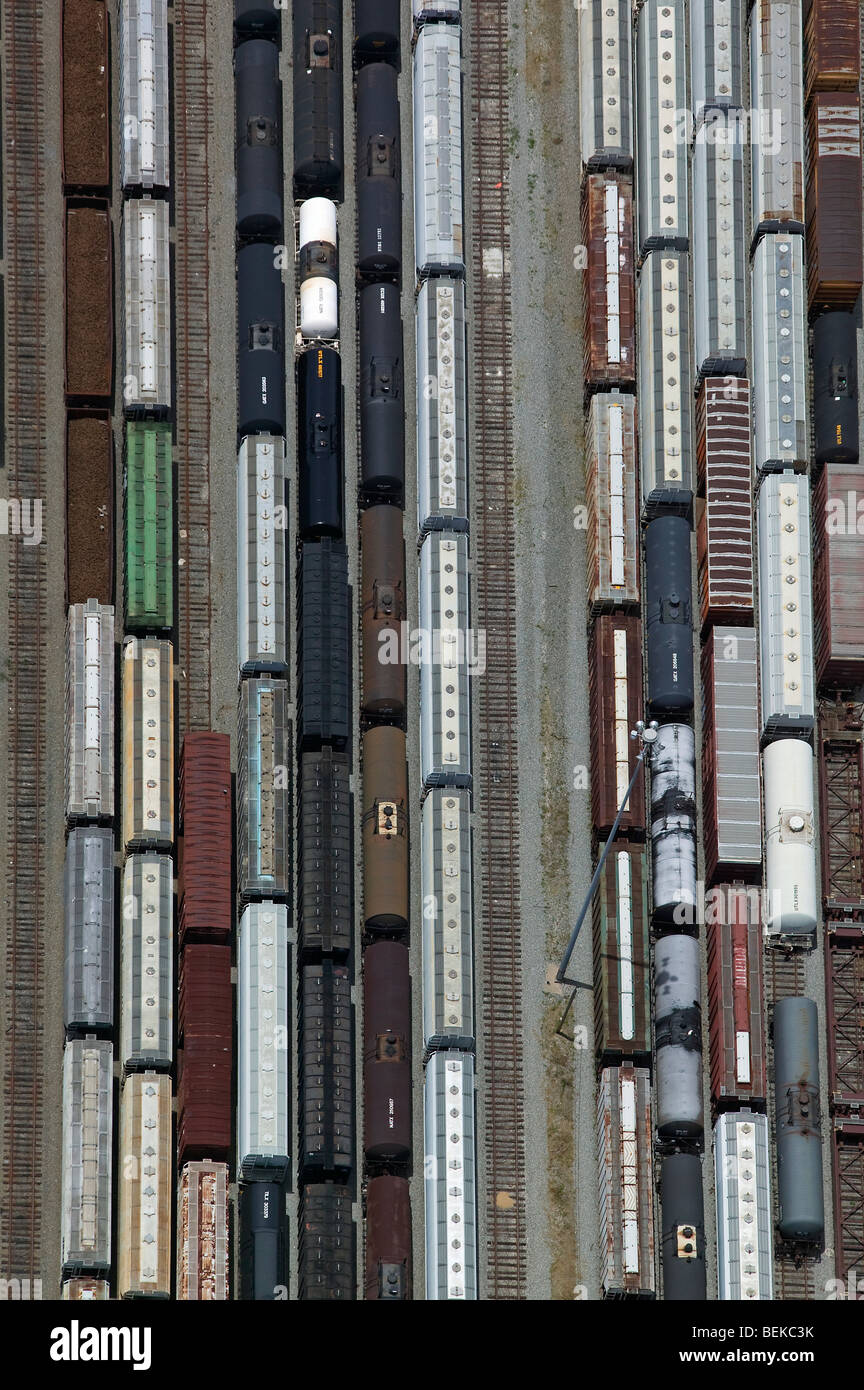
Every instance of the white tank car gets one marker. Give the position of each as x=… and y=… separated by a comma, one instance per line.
x=319, y=292
x=792, y=909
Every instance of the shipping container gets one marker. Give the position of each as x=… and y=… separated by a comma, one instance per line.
x=442, y=407
x=450, y=1178
x=385, y=831
x=386, y=1055
x=834, y=242
x=438, y=212
x=725, y=531
x=777, y=294
x=148, y=744
x=86, y=95
x=613, y=513
x=832, y=45
x=716, y=55
x=89, y=712
x=326, y=1270
x=89, y=303
x=785, y=605
x=665, y=395
x=661, y=87
x=384, y=611
x=147, y=300
x=204, y=873
x=325, y=1030
x=203, y=1257
x=324, y=704
x=88, y=997
x=777, y=96
x=147, y=964
x=149, y=527
x=838, y=577
x=730, y=755
x=318, y=144
x=616, y=703
x=88, y=1086
x=144, y=94
x=263, y=1046
x=146, y=1196
x=448, y=944
x=606, y=84
x=204, y=1034
x=388, y=1239
x=719, y=259
x=742, y=1169
x=89, y=507
x=609, y=281
x=622, y=986
x=626, y=1171
x=448, y=660
x=264, y=761
x=262, y=527
x=735, y=1018
x=792, y=905
x=325, y=854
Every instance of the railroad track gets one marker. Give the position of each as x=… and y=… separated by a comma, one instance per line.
x=23, y=985
x=496, y=705
x=193, y=111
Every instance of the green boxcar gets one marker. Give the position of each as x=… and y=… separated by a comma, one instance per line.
x=149, y=538
x=622, y=983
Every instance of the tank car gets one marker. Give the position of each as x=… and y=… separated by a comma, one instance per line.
x=256, y=18
x=438, y=200
x=451, y=1196
x=145, y=1204
x=385, y=831
x=388, y=1239
x=442, y=425
x=261, y=342
x=448, y=948
x=682, y=1226
x=606, y=84
x=835, y=388
x=788, y=696
x=318, y=270
x=318, y=140
x=262, y=556
x=384, y=612
x=376, y=30
x=798, y=1122
x=678, y=1038
x=258, y=151
x=668, y=615
x=88, y=1079
x=742, y=1168
x=379, y=178
x=326, y=1072
x=661, y=67
x=382, y=403
x=790, y=848
x=263, y=1241
x=387, y=1053
x=263, y=1057
x=319, y=443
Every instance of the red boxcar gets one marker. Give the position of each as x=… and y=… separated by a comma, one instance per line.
x=205, y=1039
x=612, y=551
x=725, y=529
x=388, y=1239
x=615, y=690
x=832, y=45
x=204, y=874
x=609, y=281
x=838, y=577
x=834, y=243
x=734, y=930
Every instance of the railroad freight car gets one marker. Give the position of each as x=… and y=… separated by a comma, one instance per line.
x=384, y=611
x=146, y=1198
x=835, y=388
x=609, y=282
x=673, y=825
x=86, y=1289
x=89, y=723
x=261, y=556
x=385, y=831
x=89, y=291
x=324, y=644
x=89, y=507
x=682, y=1228
x=386, y=1054
x=798, y=1121
x=832, y=45
x=777, y=94
x=734, y=927
x=318, y=141
x=785, y=605
x=202, y=1233
x=730, y=755
x=442, y=407
x=661, y=84
x=719, y=260
x=376, y=29
x=382, y=394
x=834, y=244
x=264, y=758
x=320, y=463
x=742, y=1170
x=438, y=200
x=838, y=566
x=325, y=853
x=668, y=614
x=326, y=1032
x=145, y=158
x=260, y=342
x=148, y=487
x=379, y=178
x=388, y=1239
x=780, y=425
x=88, y=1081
x=678, y=1038
x=326, y=1269
x=625, y=1154
x=86, y=95
x=716, y=55
x=147, y=299
x=204, y=790
x=725, y=530
x=204, y=1033
x=147, y=964
x=615, y=696
x=792, y=911
x=610, y=491
x=88, y=882
x=263, y=1056
x=148, y=744
x=258, y=147
x=318, y=269
x=665, y=408
x=451, y=1198
x=446, y=669
x=448, y=949
x=622, y=991
x=256, y=19
x=263, y=1241
x=606, y=84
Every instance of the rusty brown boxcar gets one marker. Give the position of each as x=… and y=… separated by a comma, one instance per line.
x=610, y=492
x=834, y=243
x=203, y=1258
x=734, y=928
x=725, y=528
x=626, y=1179
x=732, y=826
x=622, y=949
x=86, y=95
x=609, y=284
x=205, y=1037
x=832, y=45
x=615, y=690
x=89, y=304
x=383, y=564
x=387, y=1053
x=838, y=576
x=385, y=831
x=204, y=872
x=388, y=1239
x=89, y=507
